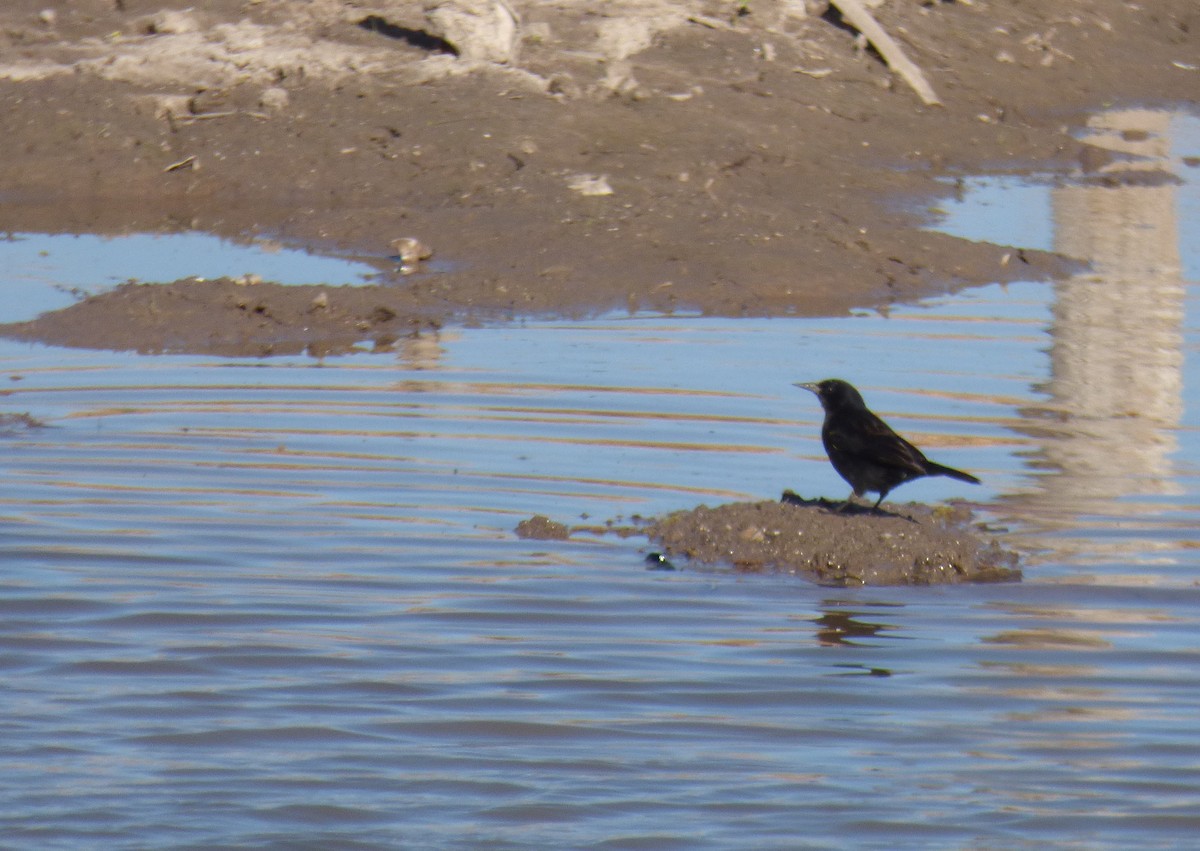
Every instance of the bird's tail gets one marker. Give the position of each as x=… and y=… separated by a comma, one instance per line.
x=932, y=469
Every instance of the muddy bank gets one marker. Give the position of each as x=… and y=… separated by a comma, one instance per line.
x=235, y=318
x=249, y=318
x=727, y=157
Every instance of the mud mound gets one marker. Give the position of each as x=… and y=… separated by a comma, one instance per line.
x=909, y=544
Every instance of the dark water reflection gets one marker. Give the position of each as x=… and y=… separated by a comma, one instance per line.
x=280, y=604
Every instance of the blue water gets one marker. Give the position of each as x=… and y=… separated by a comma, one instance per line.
x=279, y=603
x=52, y=271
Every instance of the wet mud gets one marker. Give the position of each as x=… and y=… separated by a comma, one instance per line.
x=824, y=541
x=234, y=318
x=908, y=544
x=730, y=158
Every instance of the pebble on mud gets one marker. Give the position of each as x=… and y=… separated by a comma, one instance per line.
x=590, y=184
x=274, y=99
x=486, y=30
x=172, y=22
x=411, y=250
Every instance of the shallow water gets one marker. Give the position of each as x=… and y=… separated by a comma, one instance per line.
x=51, y=271
x=279, y=603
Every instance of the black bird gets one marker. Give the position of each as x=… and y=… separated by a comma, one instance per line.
x=864, y=450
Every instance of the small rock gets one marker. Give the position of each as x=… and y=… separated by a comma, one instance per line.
x=590, y=184
x=273, y=99
x=752, y=533
x=170, y=107
x=658, y=561
x=411, y=250
x=478, y=29
x=172, y=22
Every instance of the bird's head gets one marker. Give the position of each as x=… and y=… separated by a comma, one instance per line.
x=835, y=393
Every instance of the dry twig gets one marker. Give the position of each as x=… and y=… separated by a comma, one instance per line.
x=857, y=16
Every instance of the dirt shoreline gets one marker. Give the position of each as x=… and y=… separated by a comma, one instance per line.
x=652, y=155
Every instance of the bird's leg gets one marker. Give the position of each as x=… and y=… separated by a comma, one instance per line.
x=848, y=503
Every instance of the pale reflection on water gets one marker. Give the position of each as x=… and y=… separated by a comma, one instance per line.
x=279, y=603
x=1107, y=433
x=1117, y=354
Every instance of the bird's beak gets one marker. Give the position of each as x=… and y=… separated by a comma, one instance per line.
x=808, y=386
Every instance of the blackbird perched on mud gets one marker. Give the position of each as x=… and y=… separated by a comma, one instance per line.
x=864, y=450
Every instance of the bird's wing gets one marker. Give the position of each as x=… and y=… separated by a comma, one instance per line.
x=870, y=438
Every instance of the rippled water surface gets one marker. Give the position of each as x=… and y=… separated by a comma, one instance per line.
x=280, y=604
